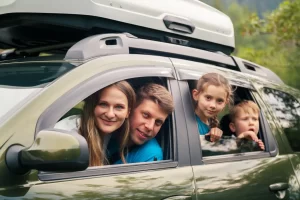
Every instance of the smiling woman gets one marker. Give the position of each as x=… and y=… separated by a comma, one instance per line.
x=104, y=113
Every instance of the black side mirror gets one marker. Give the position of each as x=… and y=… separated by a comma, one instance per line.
x=52, y=150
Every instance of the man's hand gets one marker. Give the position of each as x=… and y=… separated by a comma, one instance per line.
x=215, y=134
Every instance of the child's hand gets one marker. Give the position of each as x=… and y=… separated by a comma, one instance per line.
x=261, y=145
x=250, y=135
x=215, y=134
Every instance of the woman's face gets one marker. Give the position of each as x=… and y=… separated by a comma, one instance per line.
x=111, y=110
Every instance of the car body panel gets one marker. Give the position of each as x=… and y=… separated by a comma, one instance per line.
x=158, y=180
x=248, y=179
x=158, y=184
x=237, y=176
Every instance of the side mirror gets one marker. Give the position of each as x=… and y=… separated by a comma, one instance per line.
x=52, y=150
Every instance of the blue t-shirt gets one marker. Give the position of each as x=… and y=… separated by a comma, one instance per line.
x=202, y=127
x=147, y=152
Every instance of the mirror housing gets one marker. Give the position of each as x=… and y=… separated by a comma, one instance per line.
x=52, y=150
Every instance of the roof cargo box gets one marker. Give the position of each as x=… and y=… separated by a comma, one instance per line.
x=32, y=23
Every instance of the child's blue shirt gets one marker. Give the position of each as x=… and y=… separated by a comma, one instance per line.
x=202, y=127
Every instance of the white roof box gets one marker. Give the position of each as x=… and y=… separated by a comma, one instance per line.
x=184, y=22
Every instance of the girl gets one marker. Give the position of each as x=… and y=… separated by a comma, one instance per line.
x=104, y=113
x=211, y=95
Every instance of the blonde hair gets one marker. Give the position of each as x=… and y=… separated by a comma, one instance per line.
x=158, y=94
x=245, y=106
x=88, y=128
x=219, y=81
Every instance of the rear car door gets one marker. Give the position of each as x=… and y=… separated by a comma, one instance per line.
x=249, y=175
x=171, y=178
x=284, y=104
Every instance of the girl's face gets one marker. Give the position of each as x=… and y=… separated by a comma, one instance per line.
x=111, y=110
x=210, y=101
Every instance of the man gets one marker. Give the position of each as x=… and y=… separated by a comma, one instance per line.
x=154, y=104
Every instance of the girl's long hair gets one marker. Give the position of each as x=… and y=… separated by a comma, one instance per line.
x=88, y=128
x=219, y=81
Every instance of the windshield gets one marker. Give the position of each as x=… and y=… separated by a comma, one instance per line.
x=12, y=96
x=20, y=79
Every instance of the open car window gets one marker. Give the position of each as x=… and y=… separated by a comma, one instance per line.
x=228, y=143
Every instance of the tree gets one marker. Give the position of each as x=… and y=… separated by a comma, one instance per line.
x=283, y=48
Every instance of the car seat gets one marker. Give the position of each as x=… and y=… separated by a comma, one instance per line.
x=224, y=125
x=164, y=138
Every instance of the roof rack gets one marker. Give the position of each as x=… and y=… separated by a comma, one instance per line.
x=254, y=69
x=125, y=43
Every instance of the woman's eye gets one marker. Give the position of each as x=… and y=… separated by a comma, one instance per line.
x=145, y=115
x=208, y=98
x=102, y=104
x=119, y=107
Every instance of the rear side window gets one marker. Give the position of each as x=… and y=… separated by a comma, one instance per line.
x=287, y=110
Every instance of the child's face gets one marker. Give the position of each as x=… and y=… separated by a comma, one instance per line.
x=245, y=121
x=210, y=101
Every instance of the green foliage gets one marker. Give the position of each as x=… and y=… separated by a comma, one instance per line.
x=272, y=41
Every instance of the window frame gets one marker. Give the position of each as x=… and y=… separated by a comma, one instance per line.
x=196, y=151
x=54, y=112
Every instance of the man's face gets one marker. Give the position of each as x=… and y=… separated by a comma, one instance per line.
x=245, y=121
x=145, y=121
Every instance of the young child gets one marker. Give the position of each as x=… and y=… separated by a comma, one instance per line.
x=245, y=122
x=211, y=95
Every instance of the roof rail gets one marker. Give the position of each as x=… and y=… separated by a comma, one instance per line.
x=257, y=70
x=125, y=43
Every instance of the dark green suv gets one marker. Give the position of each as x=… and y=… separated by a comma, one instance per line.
x=54, y=66
x=40, y=162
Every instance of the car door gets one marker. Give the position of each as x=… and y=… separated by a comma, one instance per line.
x=250, y=175
x=283, y=103
x=171, y=178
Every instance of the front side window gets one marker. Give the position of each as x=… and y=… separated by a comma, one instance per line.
x=119, y=129
x=287, y=110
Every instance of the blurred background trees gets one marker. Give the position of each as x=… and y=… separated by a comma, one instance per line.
x=268, y=33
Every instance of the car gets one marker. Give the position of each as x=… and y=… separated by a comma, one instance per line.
x=43, y=83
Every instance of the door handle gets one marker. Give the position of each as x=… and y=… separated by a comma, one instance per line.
x=278, y=187
x=178, y=24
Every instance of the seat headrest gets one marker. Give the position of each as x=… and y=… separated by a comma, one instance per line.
x=224, y=125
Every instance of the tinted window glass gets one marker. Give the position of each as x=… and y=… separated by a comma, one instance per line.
x=32, y=73
x=287, y=110
x=20, y=78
